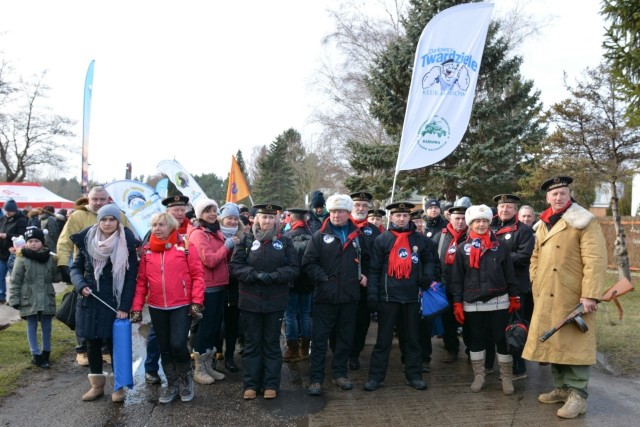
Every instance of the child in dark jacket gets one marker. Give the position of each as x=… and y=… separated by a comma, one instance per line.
x=33, y=294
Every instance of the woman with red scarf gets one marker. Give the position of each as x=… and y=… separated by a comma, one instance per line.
x=485, y=291
x=171, y=276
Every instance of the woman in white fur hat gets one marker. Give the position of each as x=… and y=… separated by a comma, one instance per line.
x=485, y=291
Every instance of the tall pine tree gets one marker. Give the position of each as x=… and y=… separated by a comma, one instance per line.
x=505, y=116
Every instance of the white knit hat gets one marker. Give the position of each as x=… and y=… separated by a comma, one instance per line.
x=478, y=212
x=339, y=201
x=203, y=204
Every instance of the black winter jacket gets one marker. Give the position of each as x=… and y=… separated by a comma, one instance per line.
x=301, y=237
x=424, y=260
x=495, y=276
x=443, y=247
x=520, y=240
x=93, y=319
x=433, y=228
x=14, y=226
x=333, y=266
x=276, y=256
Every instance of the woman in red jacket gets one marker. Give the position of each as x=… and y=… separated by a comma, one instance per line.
x=215, y=253
x=171, y=275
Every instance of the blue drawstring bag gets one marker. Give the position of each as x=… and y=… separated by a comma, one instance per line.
x=122, y=354
x=433, y=300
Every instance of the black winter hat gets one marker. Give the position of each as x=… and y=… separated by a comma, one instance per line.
x=317, y=200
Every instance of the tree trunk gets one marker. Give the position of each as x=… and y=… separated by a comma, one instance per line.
x=620, y=246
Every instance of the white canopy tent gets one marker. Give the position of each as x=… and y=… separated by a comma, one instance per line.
x=31, y=194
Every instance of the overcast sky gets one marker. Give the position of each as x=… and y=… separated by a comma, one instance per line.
x=198, y=80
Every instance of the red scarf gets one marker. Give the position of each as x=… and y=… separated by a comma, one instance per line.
x=480, y=243
x=183, y=227
x=546, y=215
x=296, y=225
x=508, y=228
x=451, y=250
x=360, y=223
x=157, y=245
x=399, y=267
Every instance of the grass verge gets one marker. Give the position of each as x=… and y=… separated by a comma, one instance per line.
x=15, y=356
x=620, y=341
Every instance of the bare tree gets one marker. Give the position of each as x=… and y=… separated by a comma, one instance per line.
x=30, y=134
x=592, y=135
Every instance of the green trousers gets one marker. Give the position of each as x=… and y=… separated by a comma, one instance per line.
x=575, y=377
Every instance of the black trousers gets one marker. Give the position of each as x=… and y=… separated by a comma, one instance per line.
x=172, y=330
x=450, y=337
x=407, y=317
x=95, y=350
x=482, y=323
x=326, y=317
x=262, y=359
x=363, y=320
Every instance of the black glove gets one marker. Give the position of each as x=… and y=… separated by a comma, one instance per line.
x=373, y=306
x=65, y=273
x=265, y=278
x=424, y=284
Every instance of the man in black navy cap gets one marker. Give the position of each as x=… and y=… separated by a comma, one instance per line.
x=454, y=234
x=374, y=216
x=568, y=267
x=361, y=204
x=416, y=217
x=402, y=262
x=434, y=221
x=518, y=237
x=297, y=316
x=177, y=208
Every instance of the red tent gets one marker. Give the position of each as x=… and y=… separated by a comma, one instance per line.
x=31, y=194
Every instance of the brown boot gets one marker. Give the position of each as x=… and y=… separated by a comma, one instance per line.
x=200, y=374
x=505, y=361
x=304, y=347
x=477, y=363
x=557, y=395
x=293, y=353
x=97, y=387
x=576, y=405
x=118, y=396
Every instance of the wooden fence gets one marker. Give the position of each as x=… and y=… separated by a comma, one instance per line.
x=631, y=225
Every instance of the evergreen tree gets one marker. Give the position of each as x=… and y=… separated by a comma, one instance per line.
x=505, y=115
x=621, y=44
x=212, y=186
x=275, y=181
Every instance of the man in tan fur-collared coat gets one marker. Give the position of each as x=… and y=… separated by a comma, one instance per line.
x=568, y=267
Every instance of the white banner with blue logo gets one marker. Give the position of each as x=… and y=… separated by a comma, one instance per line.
x=138, y=201
x=183, y=180
x=443, y=84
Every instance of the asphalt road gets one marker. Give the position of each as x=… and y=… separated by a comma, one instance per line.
x=53, y=398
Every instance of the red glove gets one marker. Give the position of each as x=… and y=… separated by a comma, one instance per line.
x=458, y=312
x=514, y=304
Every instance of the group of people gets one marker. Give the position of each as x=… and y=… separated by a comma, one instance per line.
x=324, y=272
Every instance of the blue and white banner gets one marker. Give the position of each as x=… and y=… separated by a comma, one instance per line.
x=182, y=179
x=138, y=201
x=162, y=188
x=443, y=85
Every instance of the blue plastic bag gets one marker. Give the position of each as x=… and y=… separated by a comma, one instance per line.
x=122, y=354
x=433, y=300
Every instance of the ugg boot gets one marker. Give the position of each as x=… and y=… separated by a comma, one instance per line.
x=505, y=361
x=477, y=363
x=575, y=405
x=97, y=387
x=304, y=347
x=44, y=362
x=200, y=374
x=185, y=383
x=172, y=391
x=118, y=395
x=82, y=359
x=209, y=366
x=293, y=353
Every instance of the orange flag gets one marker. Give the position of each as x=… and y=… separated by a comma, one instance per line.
x=238, y=188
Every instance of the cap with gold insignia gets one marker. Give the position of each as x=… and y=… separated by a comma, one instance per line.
x=457, y=209
x=177, y=200
x=299, y=211
x=556, y=182
x=417, y=214
x=267, y=208
x=400, y=207
x=362, y=196
x=376, y=213
x=506, y=198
